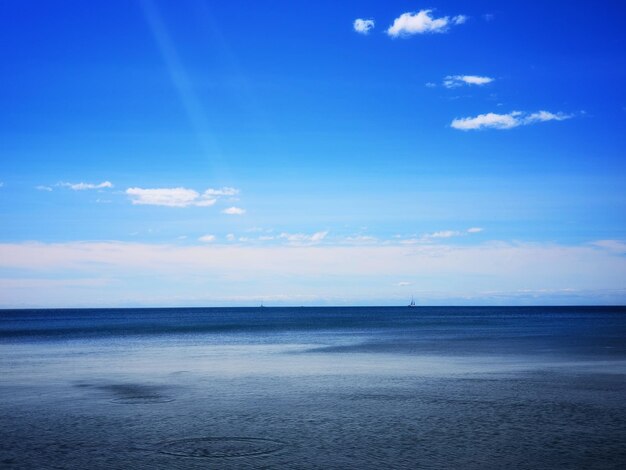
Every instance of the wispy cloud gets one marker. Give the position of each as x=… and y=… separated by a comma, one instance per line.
x=506, y=121
x=43, y=188
x=443, y=234
x=362, y=26
x=452, y=233
x=207, y=238
x=422, y=22
x=459, y=19
x=84, y=186
x=439, y=235
x=453, y=81
x=225, y=191
x=302, y=238
x=543, y=116
x=614, y=246
x=234, y=211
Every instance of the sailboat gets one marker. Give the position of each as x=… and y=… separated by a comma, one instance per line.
x=412, y=304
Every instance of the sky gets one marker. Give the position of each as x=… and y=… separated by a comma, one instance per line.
x=208, y=153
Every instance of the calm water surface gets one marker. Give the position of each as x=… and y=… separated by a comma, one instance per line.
x=469, y=388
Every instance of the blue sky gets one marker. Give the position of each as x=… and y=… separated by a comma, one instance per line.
x=221, y=153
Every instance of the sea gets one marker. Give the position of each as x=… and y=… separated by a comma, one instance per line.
x=313, y=388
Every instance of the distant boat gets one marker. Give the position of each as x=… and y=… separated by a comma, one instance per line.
x=412, y=304
x=262, y=305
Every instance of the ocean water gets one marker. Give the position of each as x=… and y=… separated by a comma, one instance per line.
x=376, y=387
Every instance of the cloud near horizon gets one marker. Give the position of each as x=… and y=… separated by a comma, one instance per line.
x=448, y=270
x=302, y=238
x=506, y=121
x=441, y=234
x=422, y=22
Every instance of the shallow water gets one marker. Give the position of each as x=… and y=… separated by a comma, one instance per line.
x=313, y=388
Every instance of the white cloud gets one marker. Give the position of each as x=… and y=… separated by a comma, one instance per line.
x=225, y=191
x=443, y=234
x=475, y=230
x=43, y=188
x=319, y=236
x=230, y=237
x=430, y=85
x=302, y=238
x=453, y=81
x=422, y=22
x=178, y=197
x=169, y=197
x=404, y=283
x=506, y=121
x=489, y=120
x=83, y=186
x=207, y=238
x=362, y=26
x=234, y=211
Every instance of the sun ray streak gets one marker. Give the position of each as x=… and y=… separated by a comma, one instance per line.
x=184, y=86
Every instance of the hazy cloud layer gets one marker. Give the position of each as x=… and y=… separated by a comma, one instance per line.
x=447, y=270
